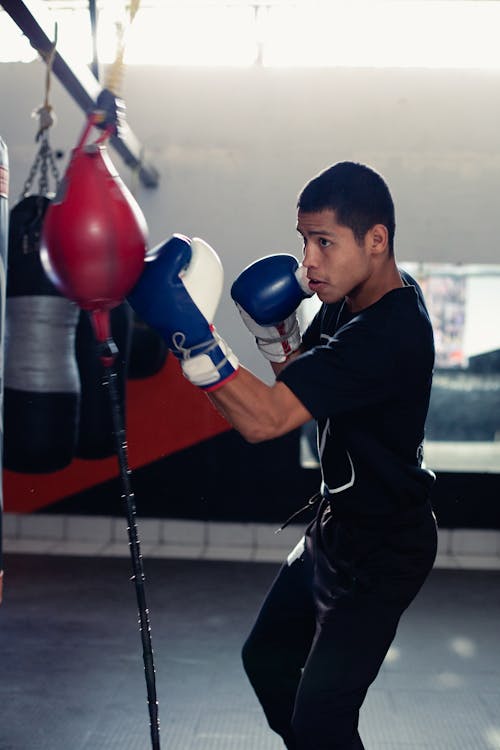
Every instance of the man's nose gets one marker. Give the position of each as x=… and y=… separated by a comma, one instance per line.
x=310, y=255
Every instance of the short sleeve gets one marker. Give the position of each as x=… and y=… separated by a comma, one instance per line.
x=349, y=371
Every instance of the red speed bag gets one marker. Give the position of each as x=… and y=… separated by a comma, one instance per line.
x=94, y=236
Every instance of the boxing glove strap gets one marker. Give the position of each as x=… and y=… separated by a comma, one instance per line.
x=276, y=343
x=281, y=337
x=211, y=367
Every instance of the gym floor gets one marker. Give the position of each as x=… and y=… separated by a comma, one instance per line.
x=73, y=675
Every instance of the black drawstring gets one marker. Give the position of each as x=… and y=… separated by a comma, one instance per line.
x=312, y=500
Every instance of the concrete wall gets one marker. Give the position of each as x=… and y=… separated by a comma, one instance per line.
x=233, y=147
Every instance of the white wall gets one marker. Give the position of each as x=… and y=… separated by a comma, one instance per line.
x=233, y=148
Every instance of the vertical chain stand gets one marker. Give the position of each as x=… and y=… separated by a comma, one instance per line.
x=108, y=352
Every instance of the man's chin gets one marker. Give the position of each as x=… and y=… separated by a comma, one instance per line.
x=328, y=297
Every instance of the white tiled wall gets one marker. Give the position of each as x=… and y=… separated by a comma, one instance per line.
x=101, y=535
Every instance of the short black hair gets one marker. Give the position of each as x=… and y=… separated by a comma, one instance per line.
x=358, y=195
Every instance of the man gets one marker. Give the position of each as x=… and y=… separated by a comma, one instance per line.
x=363, y=370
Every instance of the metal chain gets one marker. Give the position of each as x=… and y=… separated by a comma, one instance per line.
x=43, y=159
x=43, y=185
x=31, y=176
x=53, y=168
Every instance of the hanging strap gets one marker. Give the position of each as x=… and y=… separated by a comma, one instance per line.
x=44, y=158
x=109, y=111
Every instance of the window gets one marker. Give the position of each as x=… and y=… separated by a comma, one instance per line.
x=305, y=33
x=463, y=425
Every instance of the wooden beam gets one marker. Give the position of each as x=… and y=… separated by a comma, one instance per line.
x=34, y=21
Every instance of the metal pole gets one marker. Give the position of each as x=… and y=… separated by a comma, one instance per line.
x=110, y=380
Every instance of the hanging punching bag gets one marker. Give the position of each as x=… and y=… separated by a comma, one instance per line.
x=94, y=236
x=95, y=431
x=94, y=233
x=4, y=226
x=42, y=386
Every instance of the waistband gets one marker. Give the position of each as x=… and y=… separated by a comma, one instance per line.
x=408, y=516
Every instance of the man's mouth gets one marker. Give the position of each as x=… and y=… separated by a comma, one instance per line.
x=314, y=284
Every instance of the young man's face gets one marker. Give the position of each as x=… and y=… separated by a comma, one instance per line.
x=337, y=264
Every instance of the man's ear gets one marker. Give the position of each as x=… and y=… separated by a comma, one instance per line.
x=378, y=239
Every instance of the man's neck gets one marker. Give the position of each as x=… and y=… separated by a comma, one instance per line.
x=376, y=287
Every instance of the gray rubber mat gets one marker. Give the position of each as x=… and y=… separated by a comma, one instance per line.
x=73, y=679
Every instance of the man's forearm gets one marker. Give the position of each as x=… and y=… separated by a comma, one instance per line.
x=258, y=411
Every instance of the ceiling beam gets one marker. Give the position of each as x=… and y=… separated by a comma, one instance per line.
x=35, y=22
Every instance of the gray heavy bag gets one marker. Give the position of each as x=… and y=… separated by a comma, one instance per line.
x=95, y=432
x=4, y=229
x=42, y=385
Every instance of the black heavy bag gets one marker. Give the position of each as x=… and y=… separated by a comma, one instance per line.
x=95, y=432
x=148, y=351
x=42, y=386
x=4, y=229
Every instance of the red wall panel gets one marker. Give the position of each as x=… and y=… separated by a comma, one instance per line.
x=165, y=414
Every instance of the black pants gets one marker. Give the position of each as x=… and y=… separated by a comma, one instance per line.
x=328, y=621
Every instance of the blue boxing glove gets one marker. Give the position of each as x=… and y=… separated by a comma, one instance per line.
x=177, y=294
x=267, y=293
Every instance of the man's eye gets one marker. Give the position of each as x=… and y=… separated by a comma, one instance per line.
x=324, y=242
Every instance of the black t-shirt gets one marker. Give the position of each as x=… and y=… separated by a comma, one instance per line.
x=366, y=379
